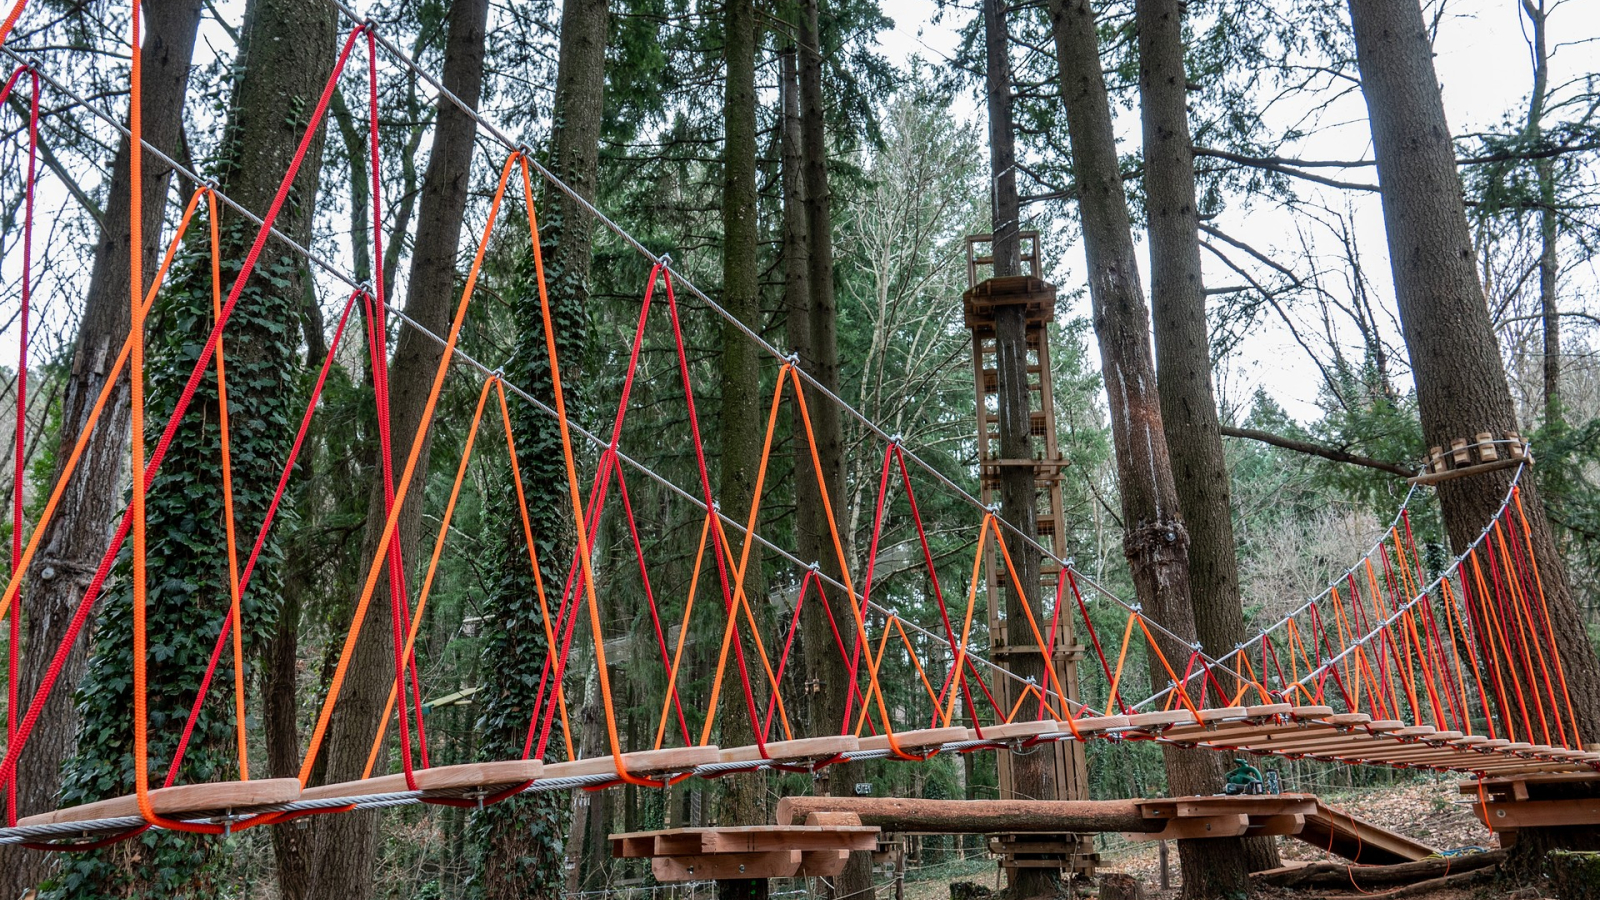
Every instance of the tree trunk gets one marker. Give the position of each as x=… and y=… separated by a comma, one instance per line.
x=1032, y=775
x=1005, y=208
x=1461, y=382
x=346, y=846
x=1549, y=307
x=831, y=697
x=742, y=416
x=1156, y=542
x=1183, y=349
x=285, y=55
x=520, y=841
x=75, y=539
x=815, y=645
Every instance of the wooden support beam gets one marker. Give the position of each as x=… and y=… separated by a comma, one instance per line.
x=1198, y=827
x=1269, y=826
x=916, y=816
x=1538, y=813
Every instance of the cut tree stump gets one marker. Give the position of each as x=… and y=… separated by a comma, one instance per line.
x=1120, y=886
x=1575, y=875
x=967, y=890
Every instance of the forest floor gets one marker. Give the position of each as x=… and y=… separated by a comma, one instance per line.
x=1430, y=811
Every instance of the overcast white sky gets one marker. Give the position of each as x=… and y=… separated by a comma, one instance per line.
x=1483, y=64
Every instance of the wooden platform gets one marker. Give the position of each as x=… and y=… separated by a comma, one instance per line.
x=919, y=741
x=1536, y=800
x=821, y=847
x=440, y=782
x=644, y=763
x=183, y=801
x=802, y=750
x=1301, y=816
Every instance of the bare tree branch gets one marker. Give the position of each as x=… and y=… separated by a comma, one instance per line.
x=1336, y=454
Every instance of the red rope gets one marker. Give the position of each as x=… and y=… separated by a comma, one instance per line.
x=14, y=748
x=866, y=587
x=1094, y=638
x=260, y=542
x=19, y=463
x=938, y=595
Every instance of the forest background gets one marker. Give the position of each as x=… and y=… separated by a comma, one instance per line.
x=1305, y=341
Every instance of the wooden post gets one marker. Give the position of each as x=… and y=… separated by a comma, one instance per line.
x=1166, y=872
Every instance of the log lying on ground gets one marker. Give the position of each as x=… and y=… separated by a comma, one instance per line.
x=909, y=815
x=1341, y=874
x=1456, y=880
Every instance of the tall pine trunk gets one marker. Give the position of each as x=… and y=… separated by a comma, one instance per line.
x=1549, y=222
x=1156, y=543
x=520, y=841
x=1461, y=381
x=344, y=857
x=1032, y=775
x=75, y=539
x=285, y=54
x=829, y=702
x=740, y=375
x=1183, y=347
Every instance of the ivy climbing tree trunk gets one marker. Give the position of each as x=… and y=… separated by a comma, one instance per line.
x=1455, y=359
x=345, y=853
x=742, y=422
x=1183, y=347
x=285, y=54
x=75, y=539
x=520, y=842
x=1156, y=542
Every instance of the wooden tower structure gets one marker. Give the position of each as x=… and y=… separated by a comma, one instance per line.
x=982, y=298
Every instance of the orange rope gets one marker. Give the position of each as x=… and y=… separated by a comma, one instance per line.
x=1122, y=657
x=1177, y=682
x=1380, y=613
x=1524, y=631
x=106, y=389
x=683, y=629
x=1488, y=614
x=1477, y=678
x=533, y=556
x=16, y=13
x=433, y=568
x=393, y=519
x=742, y=603
x=1425, y=648
x=911, y=651
x=1033, y=623
x=741, y=599
x=844, y=567
x=883, y=647
x=956, y=673
x=582, y=526
x=227, y=499
x=1538, y=580
x=141, y=724
x=1344, y=641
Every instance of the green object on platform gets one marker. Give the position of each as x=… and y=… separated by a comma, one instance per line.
x=1244, y=774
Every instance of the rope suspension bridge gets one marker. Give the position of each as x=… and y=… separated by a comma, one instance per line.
x=1391, y=665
